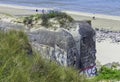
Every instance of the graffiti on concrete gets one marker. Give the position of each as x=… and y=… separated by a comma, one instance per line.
x=68, y=48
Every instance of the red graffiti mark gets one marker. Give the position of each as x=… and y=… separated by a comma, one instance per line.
x=89, y=67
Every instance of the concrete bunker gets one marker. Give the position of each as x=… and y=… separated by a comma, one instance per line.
x=68, y=49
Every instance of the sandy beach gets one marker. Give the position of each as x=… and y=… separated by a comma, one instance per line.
x=15, y=11
x=106, y=52
x=100, y=21
x=20, y=10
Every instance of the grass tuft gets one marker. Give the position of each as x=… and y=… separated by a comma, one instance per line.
x=17, y=65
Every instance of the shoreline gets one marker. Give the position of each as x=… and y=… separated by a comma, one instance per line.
x=23, y=7
x=101, y=21
x=32, y=8
x=107, y=22
x=101, y=16
x=105, y=49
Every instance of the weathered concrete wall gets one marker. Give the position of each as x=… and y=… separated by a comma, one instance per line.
x=84, y=37
x=87, y=49
x=58, y=46
x=75, y=47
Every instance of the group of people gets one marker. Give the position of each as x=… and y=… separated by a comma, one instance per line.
x=43, y=11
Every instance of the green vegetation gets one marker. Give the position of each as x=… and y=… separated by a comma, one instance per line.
x=108, y=74
x=88, y=21
x=14, y=60
x=61, y=18
x=19, y=64
x=31, y=19
x=6, y=14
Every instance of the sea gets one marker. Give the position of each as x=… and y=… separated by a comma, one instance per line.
x=107, y=7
